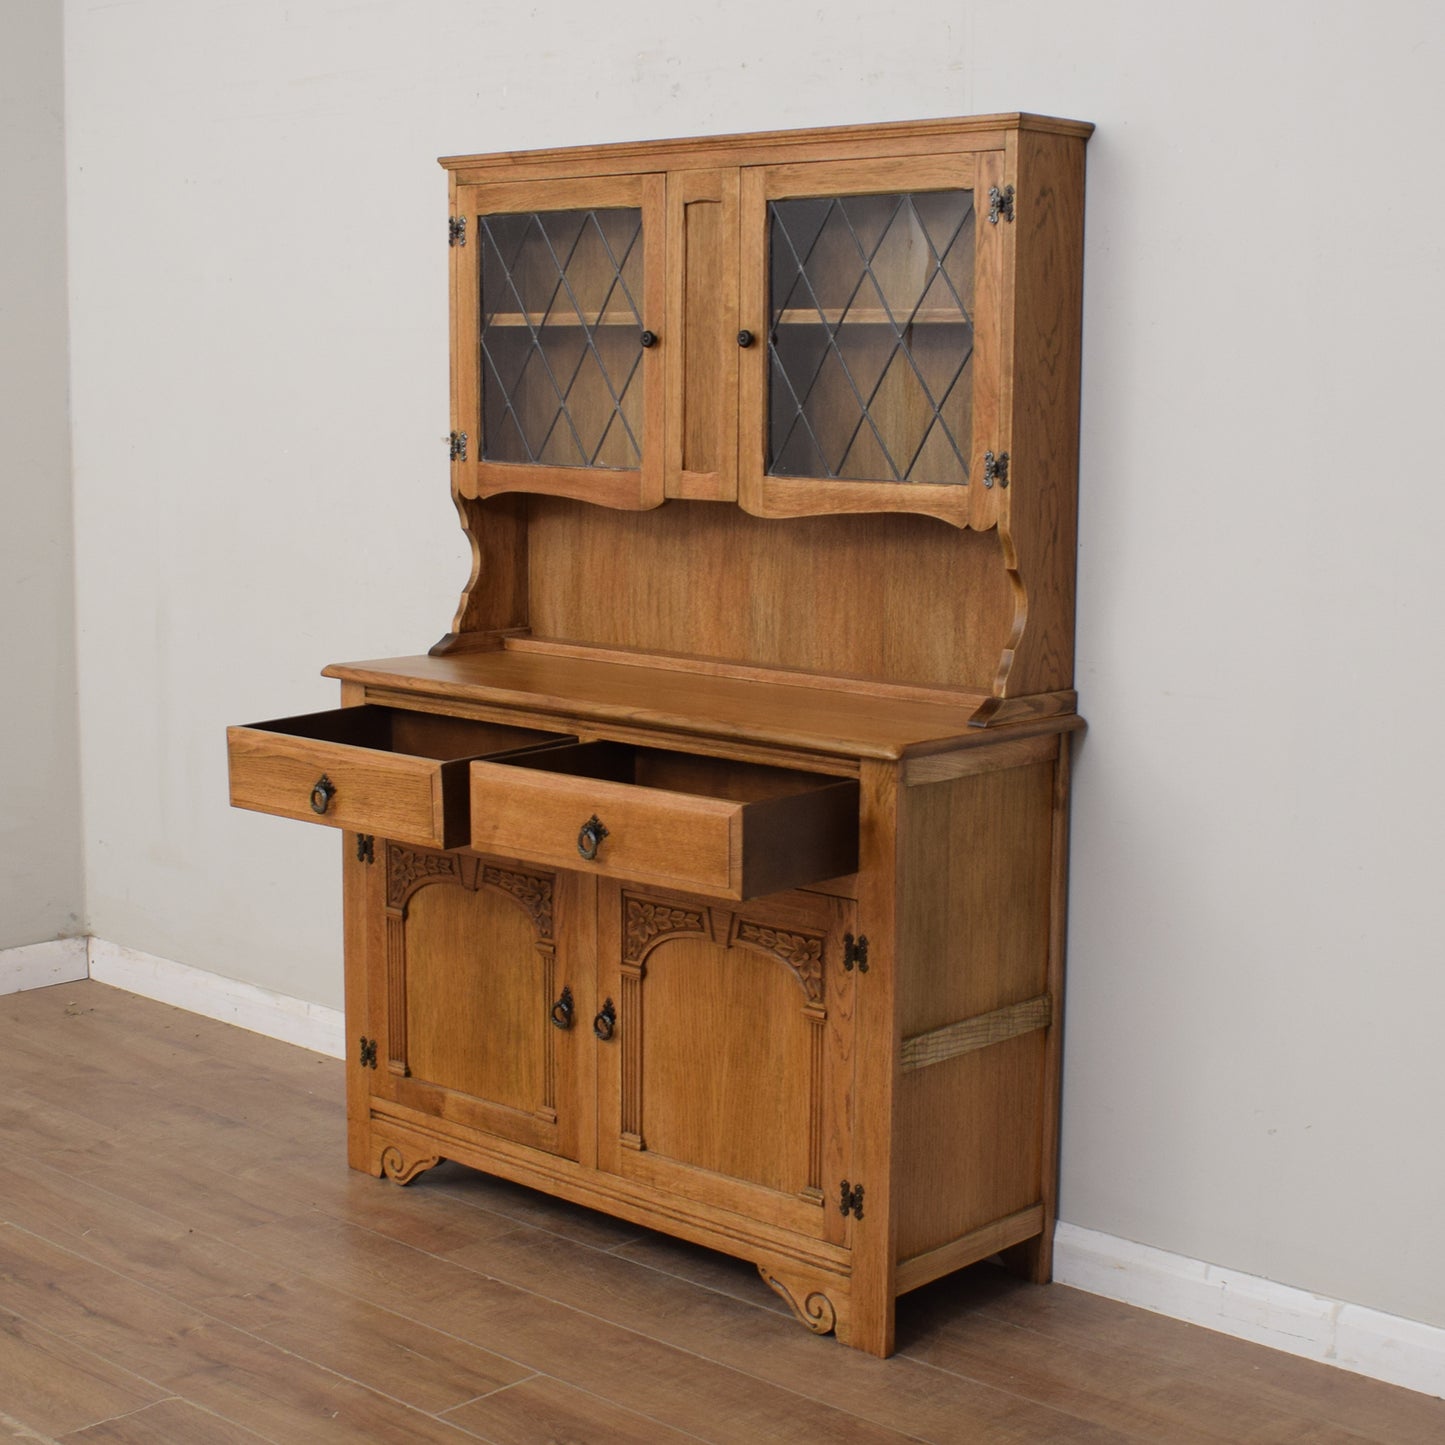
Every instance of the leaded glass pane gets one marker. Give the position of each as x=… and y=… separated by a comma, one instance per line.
x=561, y=330
x=871, y=337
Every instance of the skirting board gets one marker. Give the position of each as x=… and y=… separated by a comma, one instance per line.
x=1353, y=1337
x=276, y=1015
x=38, y=965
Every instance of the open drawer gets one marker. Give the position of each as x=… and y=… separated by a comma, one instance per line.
x=728, y=829
x=382, y=770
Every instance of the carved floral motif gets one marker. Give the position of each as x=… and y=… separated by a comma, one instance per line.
x=532, y=891
x=645, y=921
x=802, y=952
x=408, y=867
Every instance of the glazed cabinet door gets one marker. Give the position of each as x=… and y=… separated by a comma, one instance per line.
x=473, y=986
x=725, y=1052
x=558, y=290
x=874, y=291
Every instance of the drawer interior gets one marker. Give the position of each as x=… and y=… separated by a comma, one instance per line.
x=671, y=772
x=415, y=734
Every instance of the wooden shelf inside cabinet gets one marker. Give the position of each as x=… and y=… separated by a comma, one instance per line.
x=710, y=871
x=870, y=316
x=545, y=323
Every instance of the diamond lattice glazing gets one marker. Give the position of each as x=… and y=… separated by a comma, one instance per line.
x=560, y=326
x=871, y=339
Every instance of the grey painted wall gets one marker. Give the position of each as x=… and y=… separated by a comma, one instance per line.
x=41, y=892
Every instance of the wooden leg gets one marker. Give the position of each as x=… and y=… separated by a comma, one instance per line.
x=871, y=1327
x=1034, y=1258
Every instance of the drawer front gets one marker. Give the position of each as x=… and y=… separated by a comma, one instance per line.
x=652, y=836
x=391, y=795
x=712, y=825
x=393, y=772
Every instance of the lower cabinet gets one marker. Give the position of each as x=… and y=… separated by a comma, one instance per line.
x=727, y=1076
x=642, y=982
x=683, y=1061
x=476, y=992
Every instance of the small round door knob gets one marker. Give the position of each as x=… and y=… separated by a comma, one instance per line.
x=745, y=339
x=649, y=338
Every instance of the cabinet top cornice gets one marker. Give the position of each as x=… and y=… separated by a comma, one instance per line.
x=748, y=148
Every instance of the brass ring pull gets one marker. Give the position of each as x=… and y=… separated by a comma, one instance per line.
x=605, y=1022
x=590, y=836
x=322, y=794
x=562, y=1010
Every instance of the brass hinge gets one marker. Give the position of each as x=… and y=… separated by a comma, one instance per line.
x=368, y=1053
x=365, y=848
x=995, y=469
x=855, y=952
x=1000, y=204
x=458, y=441
x=457, y=231
x=850, y=1200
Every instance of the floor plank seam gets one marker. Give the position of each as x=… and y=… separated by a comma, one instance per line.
x=591, y=1395
x=187, y=1305
x=488, y=1394
x=1273, y=1395
x=743, y=1374
x=22, y=1431
x=529, y=1224
x=1123, y=1434
x=694, y=1283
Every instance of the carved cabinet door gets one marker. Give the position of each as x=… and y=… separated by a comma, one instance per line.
x=477, y=994
x=725, y=1067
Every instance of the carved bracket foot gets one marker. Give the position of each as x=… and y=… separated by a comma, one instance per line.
x=813, y=1308
x=402, y=1170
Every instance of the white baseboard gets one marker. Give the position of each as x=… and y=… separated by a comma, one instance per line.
x=38, y=965
x=277, y=1015
x=1353, y=1337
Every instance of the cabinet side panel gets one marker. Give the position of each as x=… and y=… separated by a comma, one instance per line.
x=1040, y=526
x=969, y=1142
x=975, y=927
x=976, y=855
x=846, y=595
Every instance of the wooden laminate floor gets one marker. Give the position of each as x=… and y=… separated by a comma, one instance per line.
x=184, y=1256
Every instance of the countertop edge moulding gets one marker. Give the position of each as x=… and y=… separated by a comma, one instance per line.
x=759, y=147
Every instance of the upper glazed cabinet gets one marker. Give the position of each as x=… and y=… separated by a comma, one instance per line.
x=764, y=323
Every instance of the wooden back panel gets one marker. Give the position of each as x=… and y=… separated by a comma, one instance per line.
x=893, y=598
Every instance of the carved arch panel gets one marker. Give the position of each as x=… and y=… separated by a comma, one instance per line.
x=727, y=1012
x=471, y=973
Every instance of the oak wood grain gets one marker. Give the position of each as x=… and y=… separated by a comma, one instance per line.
x=781, y=713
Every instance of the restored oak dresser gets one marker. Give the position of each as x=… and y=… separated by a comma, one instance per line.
x=710, y=870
